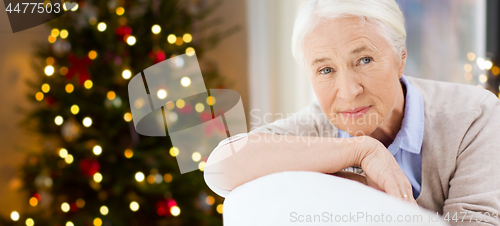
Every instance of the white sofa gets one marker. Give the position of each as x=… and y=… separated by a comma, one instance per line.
x=312, y=198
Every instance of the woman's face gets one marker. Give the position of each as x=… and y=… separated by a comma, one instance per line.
x=354, y=73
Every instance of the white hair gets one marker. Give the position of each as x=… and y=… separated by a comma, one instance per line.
x=384, y=13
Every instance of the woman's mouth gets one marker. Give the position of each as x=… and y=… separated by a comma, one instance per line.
x=356, y=112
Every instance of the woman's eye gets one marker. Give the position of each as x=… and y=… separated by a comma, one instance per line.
x=326, y=71
x=366, y=60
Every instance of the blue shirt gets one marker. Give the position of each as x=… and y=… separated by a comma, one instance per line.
x=406, y=147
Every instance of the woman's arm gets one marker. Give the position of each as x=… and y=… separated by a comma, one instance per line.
x=262, y=154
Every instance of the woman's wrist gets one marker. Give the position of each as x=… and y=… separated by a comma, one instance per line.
x=365, y=148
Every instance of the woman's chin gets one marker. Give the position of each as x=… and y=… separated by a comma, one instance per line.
x=357, y=130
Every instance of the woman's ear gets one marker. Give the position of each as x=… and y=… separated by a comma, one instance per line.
x=402, y=63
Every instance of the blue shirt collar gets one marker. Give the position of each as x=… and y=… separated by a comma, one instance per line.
x=411, y=134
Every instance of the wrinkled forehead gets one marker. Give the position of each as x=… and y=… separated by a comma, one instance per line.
x=343, y=36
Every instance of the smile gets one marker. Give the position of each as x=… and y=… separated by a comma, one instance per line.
x=355, y=113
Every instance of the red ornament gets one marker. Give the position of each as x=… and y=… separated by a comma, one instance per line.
x=205, y=116
x=160, y=56
x=73, y=207
x=37, y=196
x=123, y=32
x=162, y=208
x=187, y=109
x=79, y=68
x=89, y=167
x=157, y=55
x=171, y=203
x=50, y=101
x=215, y=126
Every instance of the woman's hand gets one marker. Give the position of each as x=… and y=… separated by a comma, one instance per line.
x=382, y=171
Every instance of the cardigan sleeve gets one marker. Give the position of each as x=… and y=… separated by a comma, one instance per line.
x=474, y=189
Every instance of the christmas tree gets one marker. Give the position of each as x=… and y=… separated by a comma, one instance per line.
x=94, y=168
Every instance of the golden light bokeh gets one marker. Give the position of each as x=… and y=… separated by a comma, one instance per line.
x=39, y=96
x=156, y=29
x=167, y=177
x=134, y=206
x=49, y=70
x=199, y=107
x=92, y=20
x=187, y=38
x=495, y=70
x=52, y=39
x=69, y=159
x=467, y=67
x=65, y=207
x=126, y=74
x=97, y=150
x=111, y=95
x=14, y=216
x=139, y=176
x=127, y=117
x=104, y=210
x=201, y=166
x=63, y=153
x=210, y=200
x=175, y=211
x=211, y=100
x=69, y=88
x=151, y=179
x=64, y=33
x=74, y=109
x=185, y=81
x=128, y=153
x=170, y=105
x=33, y=201
x=483, y=78
x=120, y=11
x=97, y=177
x=97, y=222
x=87, y=122
x=219, y=208
x=101, y=26
x=180, y=103
x=162, y=94
x=92, y=54
x=59, y=120
x=174, y=151
x=80, y=203
x=171, y=39
x=196, y=156
x=179, y=41
x=50, y=60
x=63, y=70
x=131, y=40
x=45, y=88
x=54, y=32
x=471, y=56
x=190, y=51
x=30, y=222
x=88, y=84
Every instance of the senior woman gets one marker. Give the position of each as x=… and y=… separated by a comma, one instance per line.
x=433, y=142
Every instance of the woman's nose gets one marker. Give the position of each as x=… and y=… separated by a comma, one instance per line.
x=348, y=87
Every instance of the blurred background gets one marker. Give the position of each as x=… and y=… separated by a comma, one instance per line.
x=69, y=153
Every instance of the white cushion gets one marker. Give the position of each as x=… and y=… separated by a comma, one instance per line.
x=287, y=198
